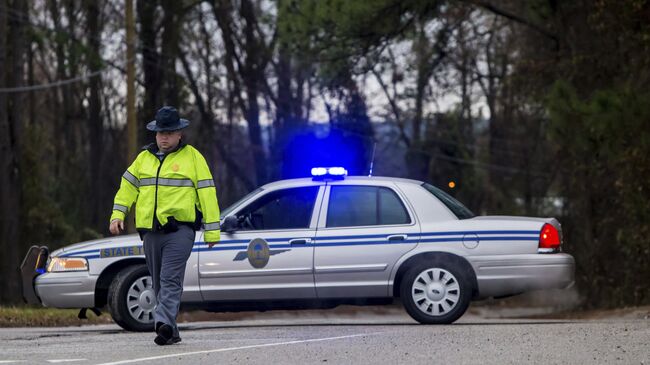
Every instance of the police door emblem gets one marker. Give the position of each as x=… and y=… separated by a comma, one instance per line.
x=258, y=253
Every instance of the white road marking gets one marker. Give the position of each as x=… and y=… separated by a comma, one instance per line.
x=56, y=361
x=11, y=361
x=238, y=348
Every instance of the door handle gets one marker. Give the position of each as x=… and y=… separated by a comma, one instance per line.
x=397, y=237
x=300, y=241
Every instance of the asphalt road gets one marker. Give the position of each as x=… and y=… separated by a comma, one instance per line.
x=319, y=338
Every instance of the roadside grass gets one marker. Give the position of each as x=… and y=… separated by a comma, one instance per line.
x=27, y=316
x=33, y=316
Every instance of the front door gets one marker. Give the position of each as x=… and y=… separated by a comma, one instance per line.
x=270, y=256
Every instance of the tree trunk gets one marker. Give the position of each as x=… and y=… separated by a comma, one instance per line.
x=208, y=121
x=173, y=14
x=63, y=110
x=12, y=53
x=417, y=159
x=283, y=114
x=146, y=10
x=252, y=78
x=97, y=186
x=285, y=123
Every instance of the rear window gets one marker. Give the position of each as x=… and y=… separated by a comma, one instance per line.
x=456, y=207
x=351, y=206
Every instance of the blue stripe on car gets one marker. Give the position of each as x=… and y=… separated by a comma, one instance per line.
x=412, y=238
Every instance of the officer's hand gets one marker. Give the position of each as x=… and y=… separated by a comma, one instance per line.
x=117, y=226
x=210, y=244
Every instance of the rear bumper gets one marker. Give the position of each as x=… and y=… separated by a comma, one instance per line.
x=504, y=275
x=66, y=289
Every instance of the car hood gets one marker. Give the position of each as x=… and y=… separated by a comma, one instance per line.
x=132, y=239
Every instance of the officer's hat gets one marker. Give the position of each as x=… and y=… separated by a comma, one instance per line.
x=167, y=119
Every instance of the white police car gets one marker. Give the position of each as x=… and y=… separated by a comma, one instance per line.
x=318, y=243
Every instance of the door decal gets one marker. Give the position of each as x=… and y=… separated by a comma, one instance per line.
x=258, y=253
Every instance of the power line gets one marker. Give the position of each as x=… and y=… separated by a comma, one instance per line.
x=73, y=80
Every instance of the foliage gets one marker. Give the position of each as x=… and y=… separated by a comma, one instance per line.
x=604, y=142
x=530, y=107
x=345, y=36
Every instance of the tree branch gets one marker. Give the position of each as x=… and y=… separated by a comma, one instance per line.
x=516, y=18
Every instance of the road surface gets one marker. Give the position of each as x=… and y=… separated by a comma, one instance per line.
x=320, y=338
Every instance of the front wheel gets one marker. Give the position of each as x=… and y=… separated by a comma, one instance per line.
x=131, y=299
x=435, y=292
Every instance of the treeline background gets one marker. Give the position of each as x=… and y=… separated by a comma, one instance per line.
x=538, y=107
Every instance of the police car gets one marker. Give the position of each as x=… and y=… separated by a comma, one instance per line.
x=317, y=243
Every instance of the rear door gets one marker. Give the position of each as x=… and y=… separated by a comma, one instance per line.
x=271, y=255
x=363, y=230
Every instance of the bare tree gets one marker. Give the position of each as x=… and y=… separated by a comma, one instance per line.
x=13, y=46
x=97, y=184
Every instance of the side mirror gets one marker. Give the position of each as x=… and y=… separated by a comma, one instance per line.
x=230, y=224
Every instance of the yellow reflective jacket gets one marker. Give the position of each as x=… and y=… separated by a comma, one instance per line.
x=177, y=186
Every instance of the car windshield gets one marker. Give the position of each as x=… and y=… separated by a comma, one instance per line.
x=226, y=212
x=456, y=207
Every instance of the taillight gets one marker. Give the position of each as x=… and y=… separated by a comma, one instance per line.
x=549, y=239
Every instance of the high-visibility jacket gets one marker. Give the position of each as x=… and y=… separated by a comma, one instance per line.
x=177, y=186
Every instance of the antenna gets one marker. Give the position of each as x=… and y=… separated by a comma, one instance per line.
x=372, y=160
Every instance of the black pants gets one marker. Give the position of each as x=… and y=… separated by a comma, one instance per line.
x=166, y=255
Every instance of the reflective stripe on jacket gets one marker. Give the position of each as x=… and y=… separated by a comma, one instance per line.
x=174, y=187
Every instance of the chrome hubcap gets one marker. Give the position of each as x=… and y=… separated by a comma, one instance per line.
x=435, y=292
x=141, y=300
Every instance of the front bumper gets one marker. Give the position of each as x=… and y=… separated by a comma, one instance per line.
x=57, y=289
x=505, y=275
x=66, y=289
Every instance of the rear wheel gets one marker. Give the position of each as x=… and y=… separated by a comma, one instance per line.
x=131, y=299
x=435, y=292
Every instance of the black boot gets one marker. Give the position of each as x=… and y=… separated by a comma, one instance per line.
x=165, y=334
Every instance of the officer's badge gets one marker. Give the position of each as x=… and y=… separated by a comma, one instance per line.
x=175, y=167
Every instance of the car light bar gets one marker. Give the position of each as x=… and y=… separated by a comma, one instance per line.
x=328, y=172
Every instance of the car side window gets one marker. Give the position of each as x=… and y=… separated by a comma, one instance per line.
x=281, y=209
x=351, y=206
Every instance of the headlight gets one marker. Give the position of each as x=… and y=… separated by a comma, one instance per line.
x=59, y=264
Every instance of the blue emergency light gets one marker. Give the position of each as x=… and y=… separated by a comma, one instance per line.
x=321, y=173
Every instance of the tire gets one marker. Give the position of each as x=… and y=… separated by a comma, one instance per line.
x=434, y=291
x=131, y=299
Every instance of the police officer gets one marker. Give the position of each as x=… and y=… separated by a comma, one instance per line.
x=173, y=191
